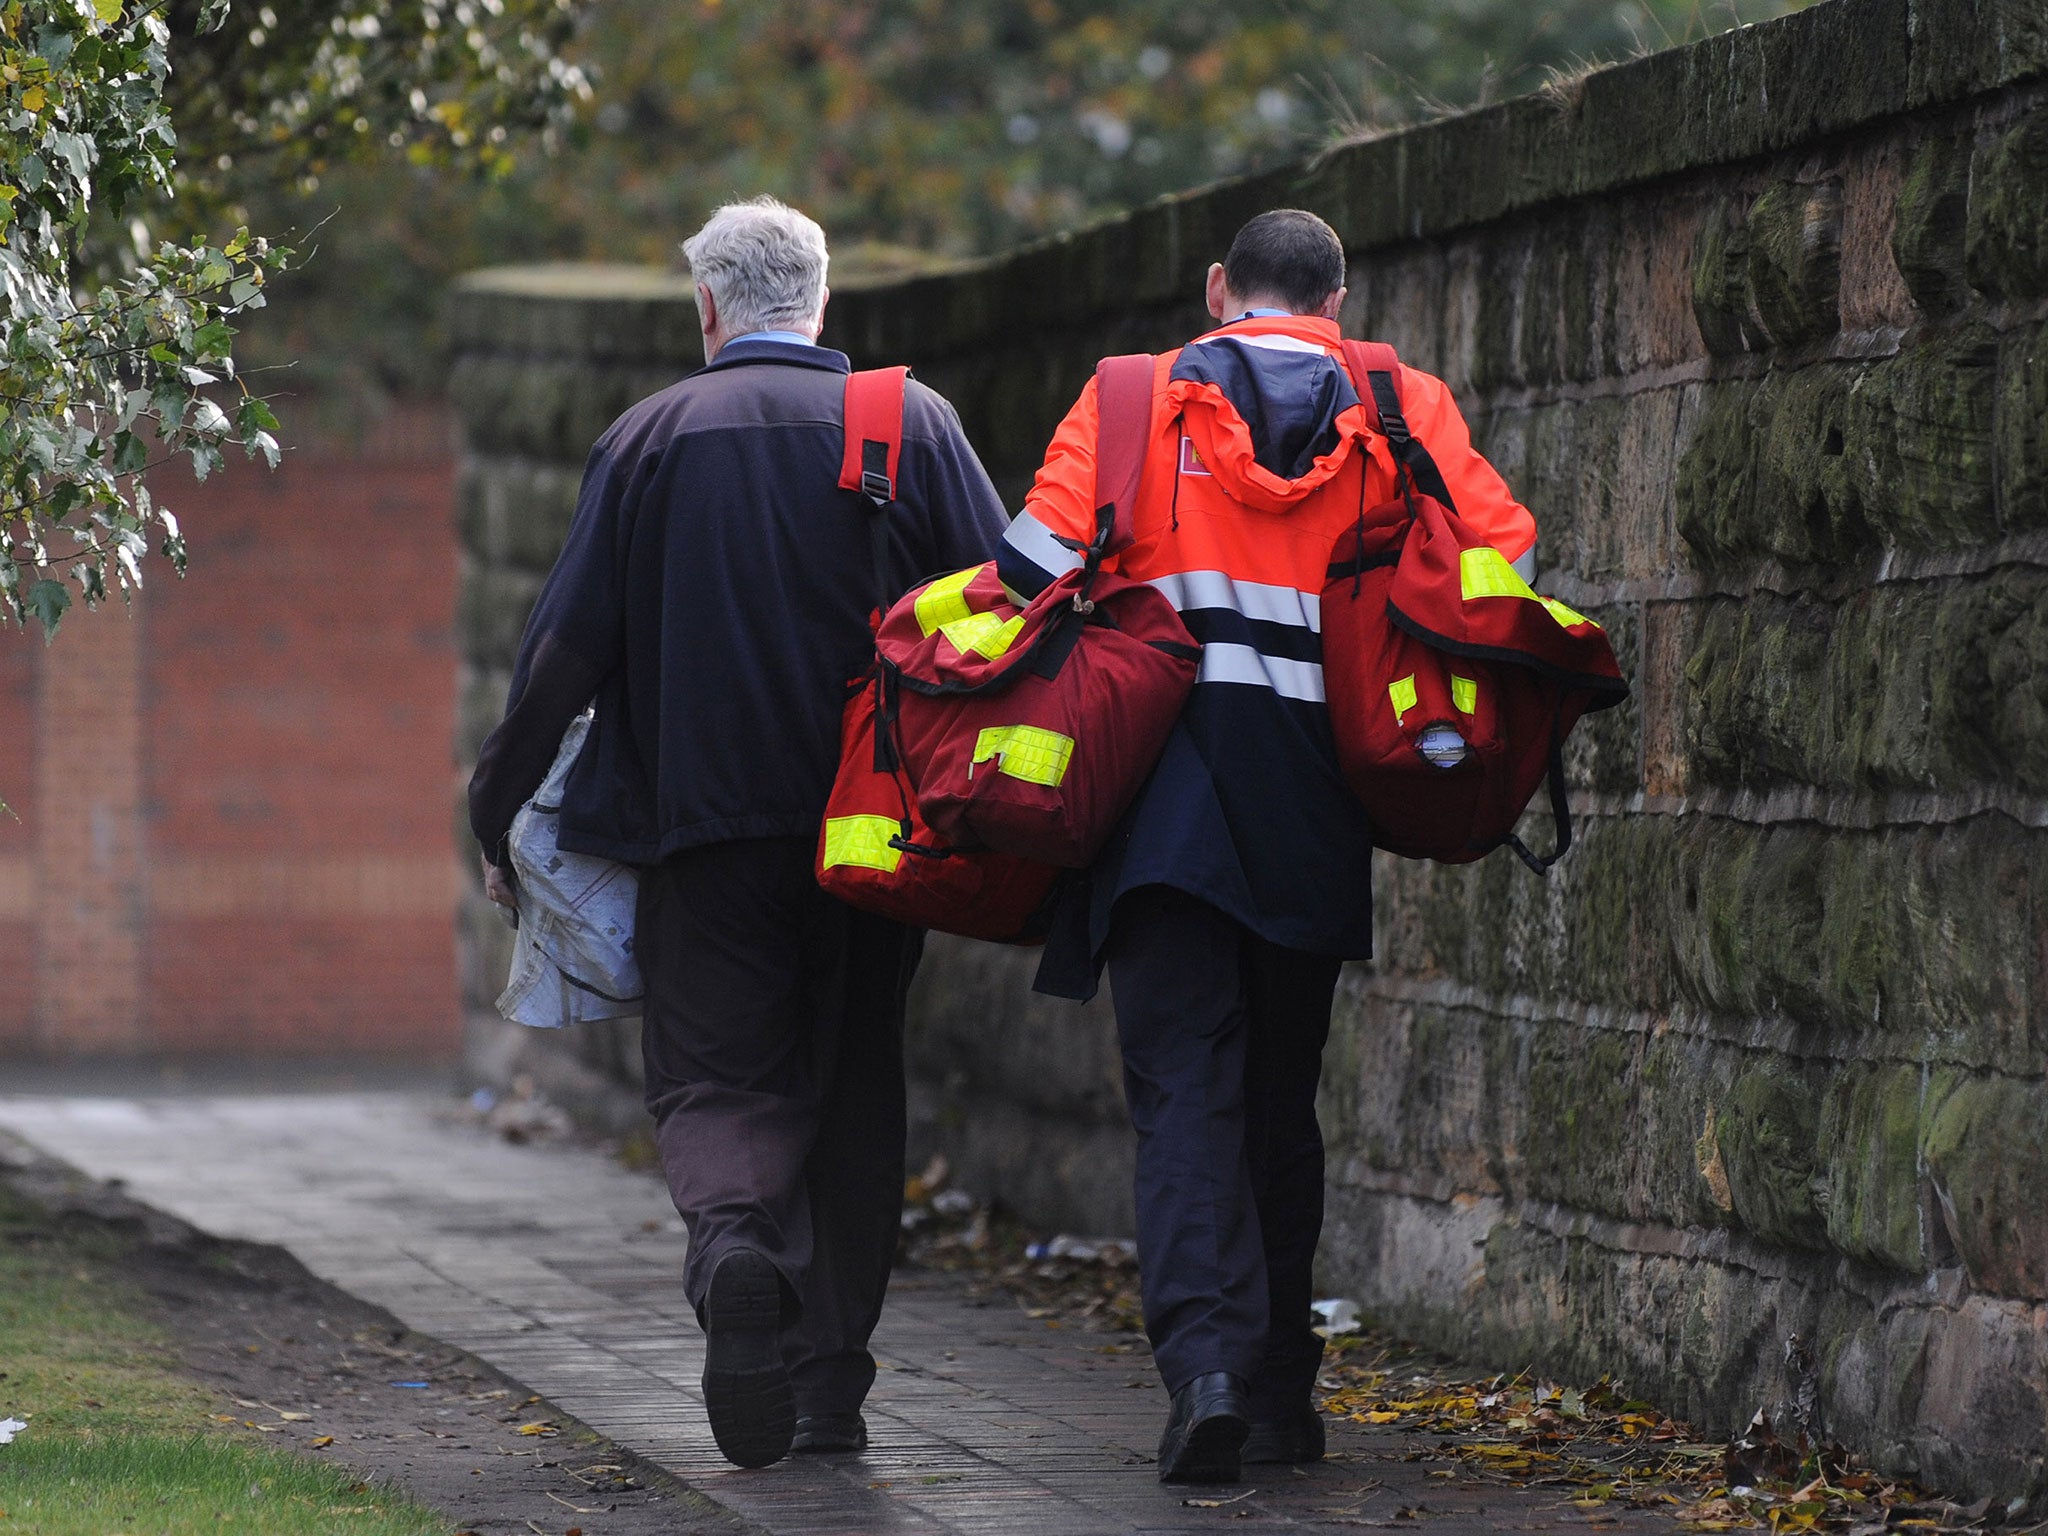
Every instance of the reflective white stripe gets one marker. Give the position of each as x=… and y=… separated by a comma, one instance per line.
x=1035, y=542
x=1253, y=599
x=1525, y=564
x=1271, y=342
x=1241, y=664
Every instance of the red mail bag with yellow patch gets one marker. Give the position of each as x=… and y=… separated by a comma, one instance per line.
x=1451, y=684
x=1030, y=730
x=875, y=850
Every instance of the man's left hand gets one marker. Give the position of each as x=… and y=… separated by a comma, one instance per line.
x=498, y=886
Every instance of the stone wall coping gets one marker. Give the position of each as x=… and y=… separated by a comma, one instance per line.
x=579, y=280
x=1745, y=93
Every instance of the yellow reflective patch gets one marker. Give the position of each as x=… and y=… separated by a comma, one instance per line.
x=1485, y=572
x=1402, y=692
x=862, y=840
x=983, y=632
x=945, y=600
x=1464, y=693
x=1027, y=752
x=1564, y=615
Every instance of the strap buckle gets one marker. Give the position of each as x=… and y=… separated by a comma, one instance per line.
x=877, y=487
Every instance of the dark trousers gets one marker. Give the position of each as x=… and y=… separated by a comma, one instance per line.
x=1223, y=1038
x=773, y=1040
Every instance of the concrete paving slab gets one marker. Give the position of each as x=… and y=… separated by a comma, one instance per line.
x=561, y=1269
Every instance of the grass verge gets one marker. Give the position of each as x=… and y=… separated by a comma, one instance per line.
x=119, y=1440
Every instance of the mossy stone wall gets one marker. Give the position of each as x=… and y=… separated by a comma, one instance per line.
x=1751, y=1089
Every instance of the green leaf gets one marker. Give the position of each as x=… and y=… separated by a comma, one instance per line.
x=108, y=11
x=253, y=416
x=47, y=601
x=131, y=454
x=213, y=339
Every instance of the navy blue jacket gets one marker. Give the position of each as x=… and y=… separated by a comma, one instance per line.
x=713, y=599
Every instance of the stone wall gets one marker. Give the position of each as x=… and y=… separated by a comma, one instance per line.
x=1748, y=1095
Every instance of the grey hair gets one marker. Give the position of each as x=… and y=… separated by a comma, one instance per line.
x=765, y=263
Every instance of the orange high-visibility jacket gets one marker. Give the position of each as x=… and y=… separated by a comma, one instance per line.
x=1261, y=455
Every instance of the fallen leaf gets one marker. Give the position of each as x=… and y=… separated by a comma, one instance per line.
x=1218, y=1503
x=321, y=1442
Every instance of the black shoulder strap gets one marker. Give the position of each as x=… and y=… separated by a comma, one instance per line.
x=1380, y=367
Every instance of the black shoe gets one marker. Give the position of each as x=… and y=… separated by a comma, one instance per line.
x=819, y=1434
x=1293, y=1438
x=746, y=1385
x=1205, y=1431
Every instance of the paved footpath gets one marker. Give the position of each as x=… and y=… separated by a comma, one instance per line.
x=561, y=1269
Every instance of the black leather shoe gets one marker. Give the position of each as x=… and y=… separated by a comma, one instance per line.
x=1205, y=1431
x=746, y=1386
x=820, y=1434
x=1294, y=1438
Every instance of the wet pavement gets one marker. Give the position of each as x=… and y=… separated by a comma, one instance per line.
x=561, y=1269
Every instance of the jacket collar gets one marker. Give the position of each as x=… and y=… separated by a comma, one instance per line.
x=738, y=354
x=1302, y=327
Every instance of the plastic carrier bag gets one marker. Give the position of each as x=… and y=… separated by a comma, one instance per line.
x=572, y=960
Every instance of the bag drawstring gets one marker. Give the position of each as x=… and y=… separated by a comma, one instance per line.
x=1179, y=458
x=1358, y=575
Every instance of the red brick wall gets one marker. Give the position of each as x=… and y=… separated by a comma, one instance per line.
x=17, y=772
x=235, y=796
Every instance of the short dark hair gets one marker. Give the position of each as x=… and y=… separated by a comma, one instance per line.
x=1288, y=254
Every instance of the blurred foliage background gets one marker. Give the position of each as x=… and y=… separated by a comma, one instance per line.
x=912, y=129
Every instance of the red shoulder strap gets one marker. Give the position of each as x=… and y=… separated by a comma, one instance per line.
x=874, y=432
x=1123, y=404
x=1372, y=362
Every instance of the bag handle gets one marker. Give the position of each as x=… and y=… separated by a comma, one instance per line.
x=1123, y=405
x=1560, y=806
x=1380, y=367
x=872, y=457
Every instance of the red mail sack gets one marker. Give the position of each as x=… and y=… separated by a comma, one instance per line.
x=1451, y=684
x=875, y=851
x=1030, y=731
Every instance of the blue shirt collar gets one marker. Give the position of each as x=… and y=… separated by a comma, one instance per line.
x=1262, y=314
x=794, y=338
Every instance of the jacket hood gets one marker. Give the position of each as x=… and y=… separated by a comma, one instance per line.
x=1271, y=412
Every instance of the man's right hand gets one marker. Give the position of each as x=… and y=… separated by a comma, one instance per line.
x=498, y=886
